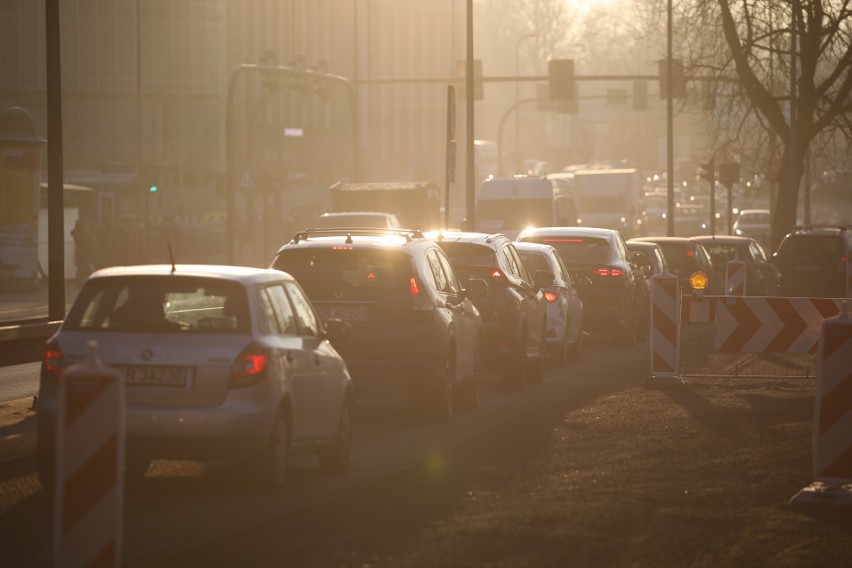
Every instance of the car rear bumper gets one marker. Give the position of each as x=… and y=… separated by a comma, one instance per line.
x=235, y=429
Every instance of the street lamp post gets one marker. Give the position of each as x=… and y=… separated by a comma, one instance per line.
x=518, y=91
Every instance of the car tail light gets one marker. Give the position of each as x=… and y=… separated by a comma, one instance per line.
x=690, y=252
x=551, y=297
x=419, y=301
x=52, y=363
x=497, y=278
x=608, y=271
x=250, y=366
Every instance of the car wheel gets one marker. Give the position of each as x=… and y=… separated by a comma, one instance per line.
x=513, y=373
x=273, y=463
x=440, y=404
x=467, y=393
x=335, y=458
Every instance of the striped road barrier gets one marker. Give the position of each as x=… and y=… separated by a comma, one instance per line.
x=665, y=330
x=832, y=444
x=88, y=509
x=771, y=325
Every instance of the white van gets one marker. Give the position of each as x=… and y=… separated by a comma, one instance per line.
x=511, y=205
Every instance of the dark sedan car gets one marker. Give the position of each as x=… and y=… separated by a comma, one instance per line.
x=685, y=257
x=514, y=313
x=614, y=301
x=762, y=277
x=813, y=262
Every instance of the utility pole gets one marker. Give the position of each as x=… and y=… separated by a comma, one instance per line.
x=670, y=206
x=471, y=189
x=55, y=169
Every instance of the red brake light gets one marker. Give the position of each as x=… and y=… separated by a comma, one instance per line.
x=496, y=274
x=371, y=276
x=249, y=368
x=52, y=363
x=412, y=285
x=608, y=271
x=341, y=248
x=551, y=297
x=690, y=252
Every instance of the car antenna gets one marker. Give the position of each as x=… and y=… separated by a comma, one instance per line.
x=172, y=255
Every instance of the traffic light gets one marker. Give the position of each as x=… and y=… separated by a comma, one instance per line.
x=729, y=173
x=708, y=171
x=560, y=77
x=153, y=189
x=640, y=95
x=461, y=73
x=679, y=82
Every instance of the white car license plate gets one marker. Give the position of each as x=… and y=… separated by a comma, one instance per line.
x=156, y=376
x=346, y=313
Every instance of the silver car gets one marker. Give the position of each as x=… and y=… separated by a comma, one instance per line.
x=564, y=334
x=219, y=362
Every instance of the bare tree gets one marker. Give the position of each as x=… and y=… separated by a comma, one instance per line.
x=748, y=46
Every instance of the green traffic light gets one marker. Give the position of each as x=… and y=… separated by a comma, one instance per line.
x=153, y=189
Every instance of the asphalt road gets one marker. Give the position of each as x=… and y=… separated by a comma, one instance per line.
x=18, y=381
x=187, y=513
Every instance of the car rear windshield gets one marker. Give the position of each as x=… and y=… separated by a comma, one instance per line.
x=681, y=258
x=577, y=249
x=160, y=303
x=345, y=273
x=824, y=249
x=470, y=260
x=722, y=253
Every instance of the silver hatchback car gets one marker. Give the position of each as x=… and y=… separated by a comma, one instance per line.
x=219, y=362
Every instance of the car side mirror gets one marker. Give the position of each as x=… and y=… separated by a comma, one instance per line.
x=337, y=330
x=543, y=279
x=476, y=288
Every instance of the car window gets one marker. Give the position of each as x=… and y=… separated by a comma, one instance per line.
x=348, y=273
x=622, y=248
x=282, y=309
x=438, y=276
x=452, y=278
x=308, y=323
x=534, y=261
x=268, y=321
x=757, y=251
x=523, y=273
x=565, y=274
x=187, y=305
x=509, y=263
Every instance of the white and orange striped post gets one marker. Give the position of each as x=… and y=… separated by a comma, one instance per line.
x=735, y=278
x=88, y=511
x=832, y=444
x=665, y=330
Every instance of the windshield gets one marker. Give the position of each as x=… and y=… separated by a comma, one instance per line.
x=603, y=204
x=346, y=273
x=514, y=213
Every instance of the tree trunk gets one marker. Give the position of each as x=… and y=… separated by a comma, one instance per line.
x=787, y=200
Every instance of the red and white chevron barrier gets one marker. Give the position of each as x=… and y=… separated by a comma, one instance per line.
x=735, y=278
x=771, y=325
x=88, y=509
x=665, y=327
x=832, y=444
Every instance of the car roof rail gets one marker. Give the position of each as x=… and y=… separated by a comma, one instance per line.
x=349, y=232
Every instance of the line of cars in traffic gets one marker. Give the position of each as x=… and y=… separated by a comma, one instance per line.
x=254, y=364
